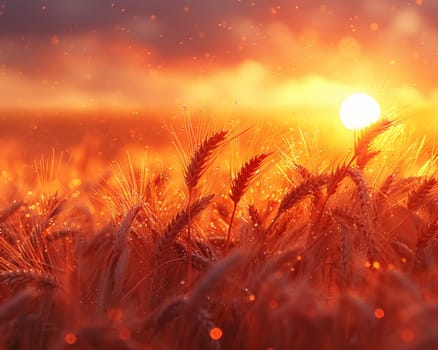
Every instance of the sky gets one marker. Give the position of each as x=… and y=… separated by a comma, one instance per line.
x=224, y=55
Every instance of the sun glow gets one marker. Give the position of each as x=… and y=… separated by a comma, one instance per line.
x=359, y=111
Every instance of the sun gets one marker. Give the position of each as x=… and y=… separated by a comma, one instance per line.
x=359, y=111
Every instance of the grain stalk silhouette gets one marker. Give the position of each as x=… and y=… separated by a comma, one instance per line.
x=178, y=224
x=343, y=258
x=297, y=194
x=362, y=155
x=196, y=167
x=418, y=196
x=427, y=232
x=240, y=184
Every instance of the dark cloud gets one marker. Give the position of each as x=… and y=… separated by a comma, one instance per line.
x=40, y=18
x=182, y=20
x=176, y=30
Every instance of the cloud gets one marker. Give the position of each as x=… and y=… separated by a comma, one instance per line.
x=168, y=53
x=246, y=88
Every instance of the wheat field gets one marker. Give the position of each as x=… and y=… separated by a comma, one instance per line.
x=281, y=247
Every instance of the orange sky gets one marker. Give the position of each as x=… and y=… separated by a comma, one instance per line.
x=229, y=56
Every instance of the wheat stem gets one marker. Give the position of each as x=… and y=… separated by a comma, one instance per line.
x=233, y=213
x=189, y=242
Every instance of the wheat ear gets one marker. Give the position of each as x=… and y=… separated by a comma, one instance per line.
x=121, y=235
x=418, y=195
x=362, y=152
x=362, y=189
x=198, y=262
x=247, y=172
x=200, y=159
x=256, y=219
x=194, y=170
x=20, y=277
x=297, y=194
x=8, y=211
x=427, y=234
x=178, y=223
x=240, y=184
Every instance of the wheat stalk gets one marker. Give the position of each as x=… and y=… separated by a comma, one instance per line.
x=56, y=236
x=120, y=237
x=419, y=194
x=333, y=181
x=246, y=174
x=11, y=209
x=198, y=262
x=170, y=233
x=61, y=234
x=254, y=216
x=303, y=171
x=427, y=234
x=19, y=277
x=240, y=184
x=384, y=191
x=362, y=189
x=200, y=159
x=178, y=223
x=362, y=152
x=402, y=249
x=387, y=184
x=346, y=253
x=305, y=189
x=195, y=168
